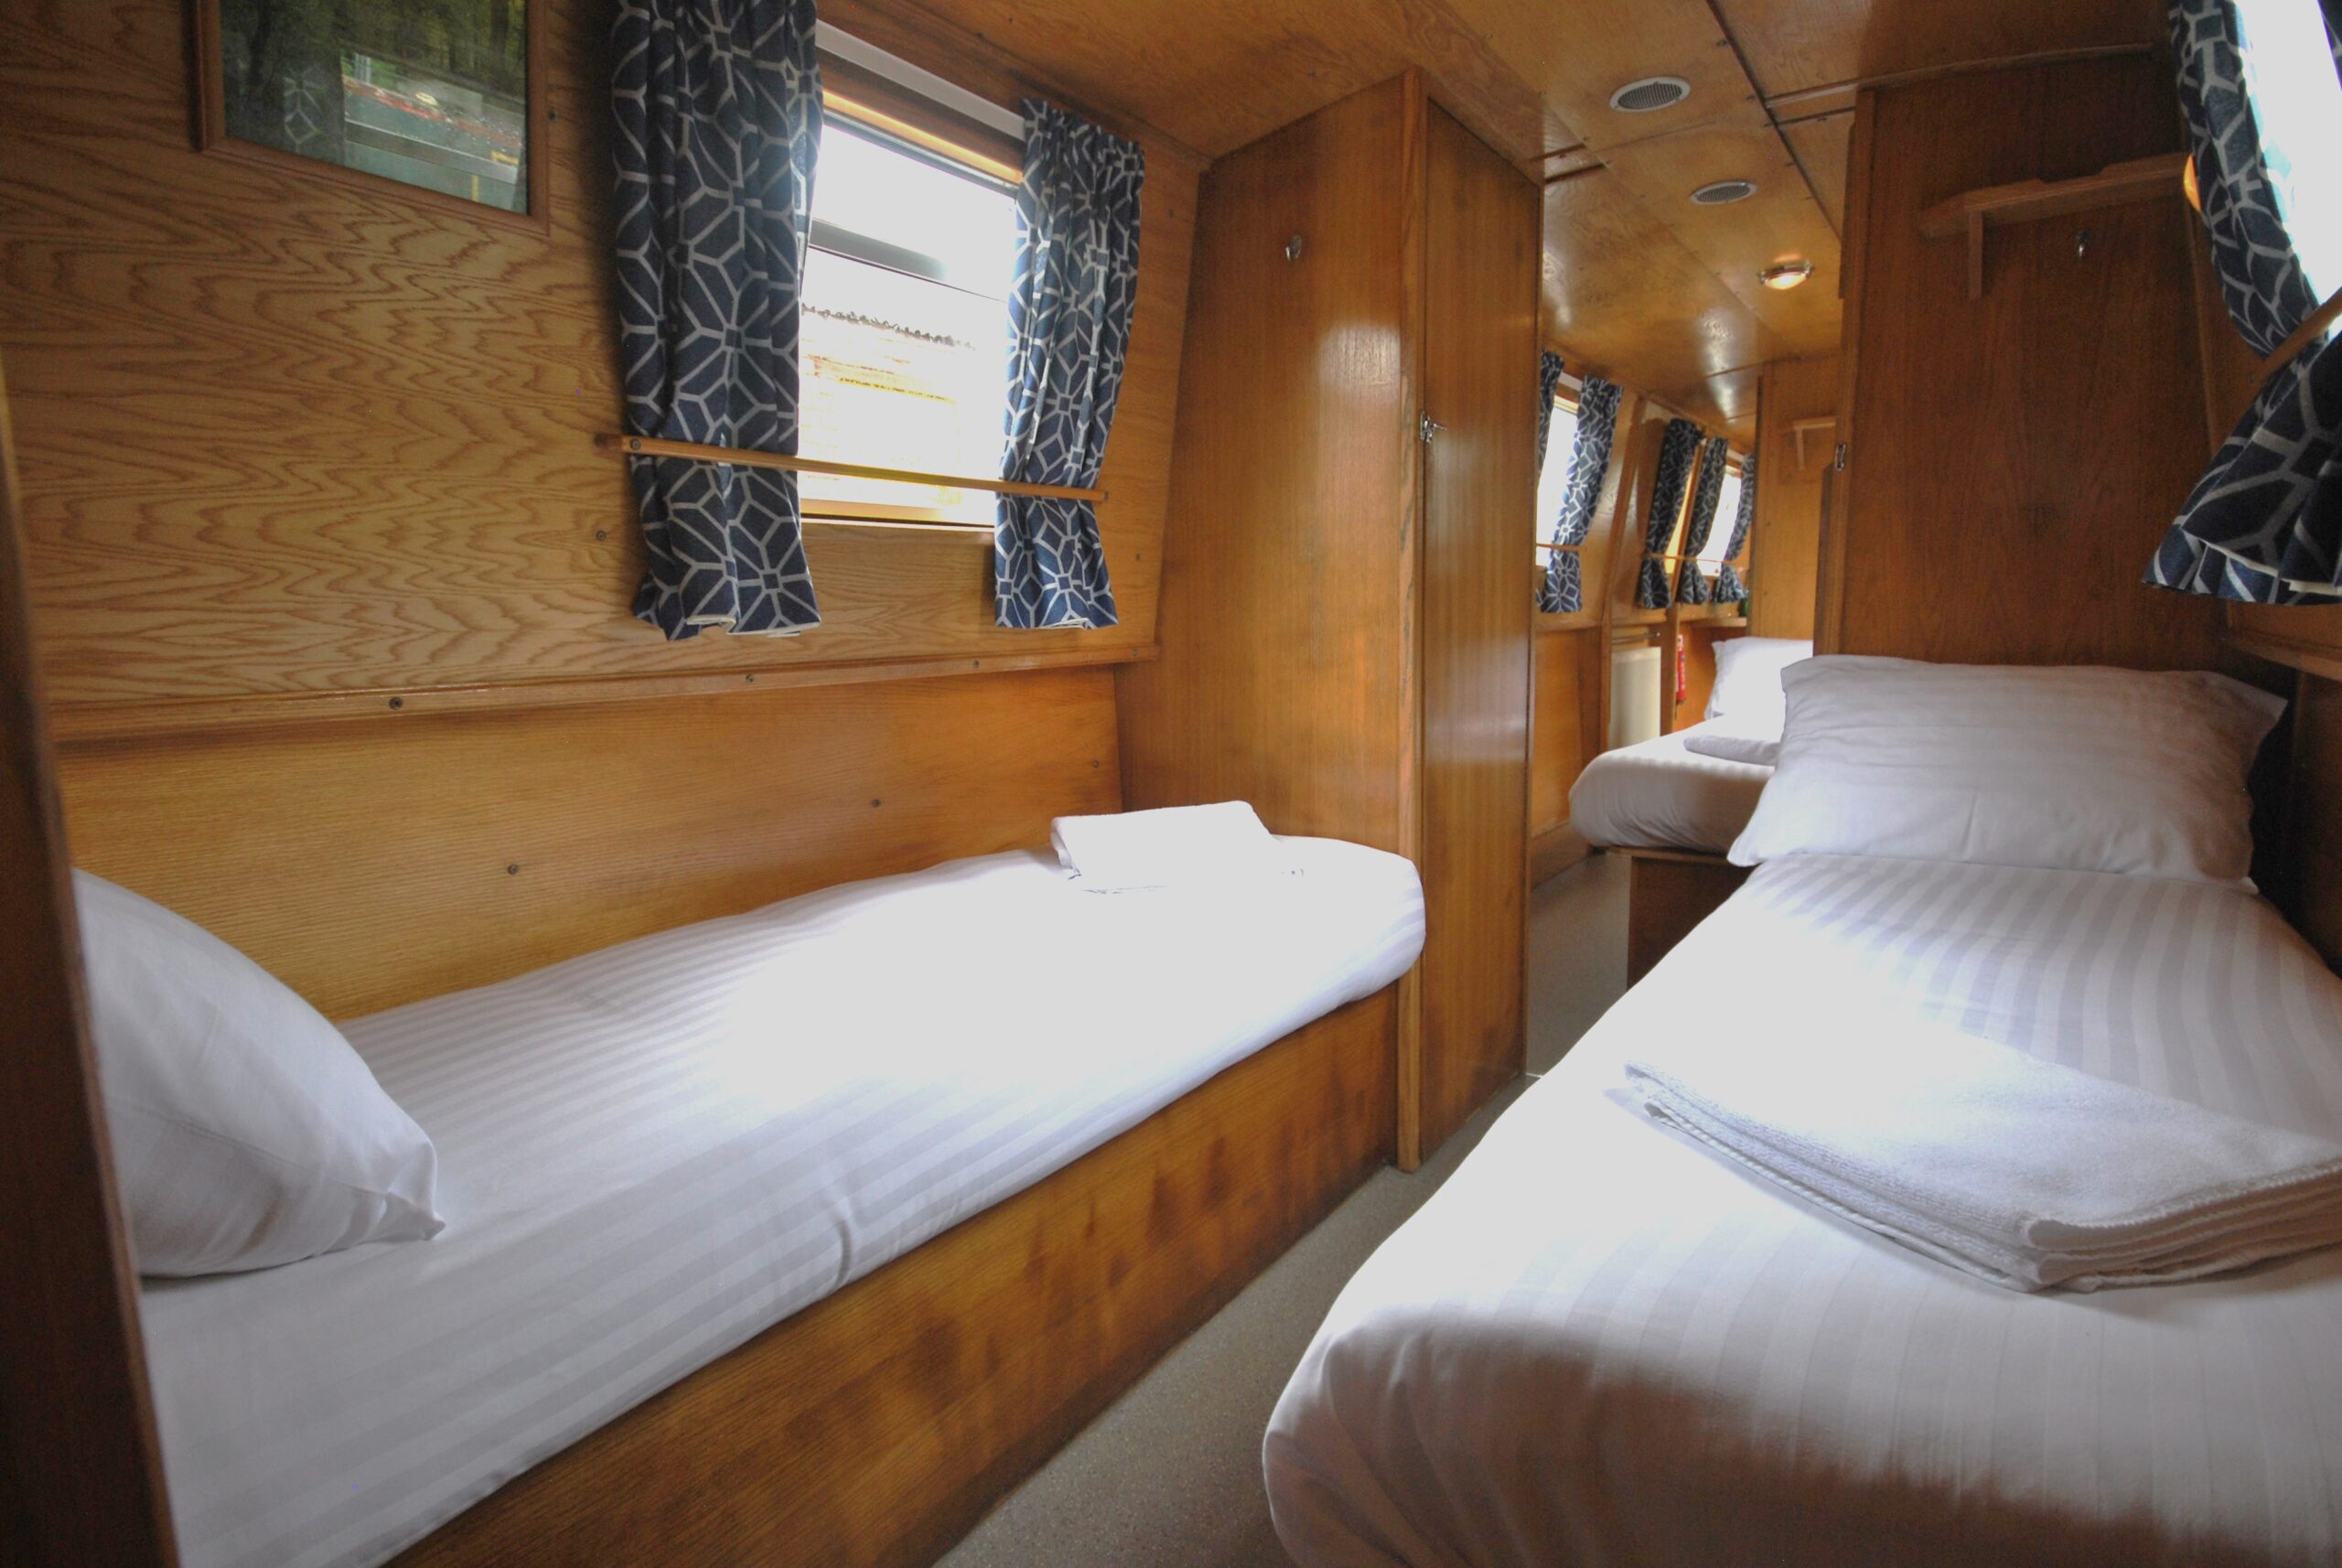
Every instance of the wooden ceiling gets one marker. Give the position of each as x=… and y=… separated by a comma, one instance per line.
x=1639, y=283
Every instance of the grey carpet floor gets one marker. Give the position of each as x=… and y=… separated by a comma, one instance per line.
x=1169, y=1477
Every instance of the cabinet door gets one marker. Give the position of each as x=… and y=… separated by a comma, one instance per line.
x=1479, y=381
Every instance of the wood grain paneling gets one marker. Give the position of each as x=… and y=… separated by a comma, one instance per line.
x=1626, y=296
x=80, y=1472
x=1795, y=45
x=1566, y=721
x=871, y=1430
x=2015, y=458
x=1480, y=336
x=1785, y=548
x=1669, y=893
x=2313, y=828
x=366, y=865
x=284, y=435
x=1286, y=675
x=1821, y=146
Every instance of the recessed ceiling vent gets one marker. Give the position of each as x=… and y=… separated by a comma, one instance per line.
x=1725, y=191
x=1651, y=92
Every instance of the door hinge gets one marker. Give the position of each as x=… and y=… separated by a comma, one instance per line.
x=1838, y=459
x=1426, y=428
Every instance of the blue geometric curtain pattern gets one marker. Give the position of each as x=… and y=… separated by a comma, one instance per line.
x=1691, y=583
x=2264, y=523
x=718, y=122
x=1069, y=326
x=1654, y=584
x=2260, y=277
x=1730, y=587
x=1597, y=418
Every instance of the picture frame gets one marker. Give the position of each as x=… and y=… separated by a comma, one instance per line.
x=387, y=121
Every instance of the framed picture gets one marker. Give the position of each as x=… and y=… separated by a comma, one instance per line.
x=442, y=97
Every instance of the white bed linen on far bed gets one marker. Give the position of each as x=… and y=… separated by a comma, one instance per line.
x=1600, y=1344
x=650, y=1154
x=1657, y=794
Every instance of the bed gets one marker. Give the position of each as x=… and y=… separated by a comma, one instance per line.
x=1661, y=794
x=651, y=1154
x=1598, y=1345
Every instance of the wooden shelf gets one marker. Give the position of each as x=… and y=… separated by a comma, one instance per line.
x=2309, y=658
x=2030, y=200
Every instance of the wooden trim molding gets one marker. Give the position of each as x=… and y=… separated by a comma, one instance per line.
x=98, y=722
x=81, y=1469
x=748, y=458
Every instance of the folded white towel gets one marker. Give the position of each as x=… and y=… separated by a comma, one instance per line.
x=2024, y=1172
x=1166, y=847
x=1734, y=745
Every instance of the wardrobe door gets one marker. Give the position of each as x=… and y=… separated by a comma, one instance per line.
x=1479, y=380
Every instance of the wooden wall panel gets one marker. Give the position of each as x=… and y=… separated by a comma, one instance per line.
x=372, y=863
x=1565, y=727
x=2313, y=895
x=2015, y=458
x=1287, y=673
x=1785, y=548
x=1480, y=335
x=80, y=1471
x=293, y=435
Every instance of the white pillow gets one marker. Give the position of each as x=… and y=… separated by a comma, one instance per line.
x=1748, y=679
x=246, y=1132
x=2137, y=772
x=1167, y=848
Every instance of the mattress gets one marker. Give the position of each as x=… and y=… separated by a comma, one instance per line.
x=1599, y=1345
x=1656, y=794
x=650, y=1154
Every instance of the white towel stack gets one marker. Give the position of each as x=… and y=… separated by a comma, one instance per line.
x=1167, y=848
x=2024, y=1172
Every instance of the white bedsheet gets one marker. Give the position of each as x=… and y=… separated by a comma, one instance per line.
x=1599, y=1344
x=1657, y=794
x=650, y=1154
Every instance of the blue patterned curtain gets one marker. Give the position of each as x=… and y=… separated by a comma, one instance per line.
x=2264, y=523
x=1597, y=418
x=718, y=118
x=1654, y=584
x=1549, y=385
x=1691, y=583
x=1070, y=322
x=1730, y=588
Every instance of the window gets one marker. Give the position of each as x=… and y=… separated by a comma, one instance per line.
x=1711, y=555
x=905, y=335
x=2296, y=100
x=1553, y=480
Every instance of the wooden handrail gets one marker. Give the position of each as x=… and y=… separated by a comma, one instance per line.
x=747, y=457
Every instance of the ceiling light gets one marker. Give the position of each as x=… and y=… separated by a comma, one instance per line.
x=1650, y=92
x=1725, y=190
x=1787, y=275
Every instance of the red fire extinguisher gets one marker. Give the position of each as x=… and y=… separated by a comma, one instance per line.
x=1682, y=684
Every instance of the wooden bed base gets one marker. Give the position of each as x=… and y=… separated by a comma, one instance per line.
x=1669, y=891
x=873, y=1429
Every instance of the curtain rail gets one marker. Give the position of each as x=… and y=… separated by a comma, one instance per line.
x=747, y=457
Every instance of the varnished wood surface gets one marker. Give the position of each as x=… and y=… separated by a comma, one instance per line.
x=1785, y=548
x=2015, y=458
x=1667, y=895
x=748, y=458
x=1798, y=45
x=1566, y=721
x=1480, y=337
x=2312, y=830
x=1285, y=677
x=80, y=1472
x=369, y=864
x=289, y=434
x=872, y=1429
